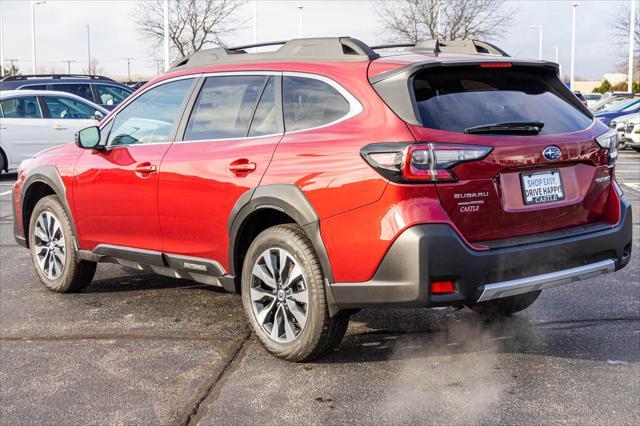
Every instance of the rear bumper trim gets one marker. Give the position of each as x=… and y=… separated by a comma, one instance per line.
x=552, y=279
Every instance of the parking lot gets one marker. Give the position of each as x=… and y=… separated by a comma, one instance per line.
x=134, y=349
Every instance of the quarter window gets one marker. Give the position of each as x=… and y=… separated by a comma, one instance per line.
x=110, y=95
x=311, y=103
x=22, y=107
x=79, y=89
x=62, y=107
x=224, y=107
x=150, y=117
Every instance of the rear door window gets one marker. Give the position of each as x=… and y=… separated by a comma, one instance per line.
x=224, y=107
x=457, y=99
x=80, y=89
x=21, y=107
x=68, y=108
x=310, y=103
x=267, y=119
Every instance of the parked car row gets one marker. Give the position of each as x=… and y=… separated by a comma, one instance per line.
x=33, y=120
x=41, y=111
x=628, y=129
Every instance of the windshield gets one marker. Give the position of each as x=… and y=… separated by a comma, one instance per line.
x=466, y=97
x=621, y=106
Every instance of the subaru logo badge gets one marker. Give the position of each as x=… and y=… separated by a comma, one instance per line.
x=551, y=153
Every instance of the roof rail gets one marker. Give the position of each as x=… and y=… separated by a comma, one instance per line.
x=466, y=46
x=54, y=77
x=334, y=49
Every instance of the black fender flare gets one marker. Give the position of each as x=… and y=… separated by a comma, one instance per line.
x=290, y=200
x=50, y=176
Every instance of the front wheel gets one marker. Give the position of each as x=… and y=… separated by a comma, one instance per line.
x=53, y=251
x=504, y=307
x=284, y=297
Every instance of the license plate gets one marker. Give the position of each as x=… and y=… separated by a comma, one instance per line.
x=542, y=187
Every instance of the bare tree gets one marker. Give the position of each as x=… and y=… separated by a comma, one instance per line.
x=621, y=19
x=415, y=20
x=193, y=24
x=94, y=67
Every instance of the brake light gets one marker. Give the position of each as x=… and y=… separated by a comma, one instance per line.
x=496, y=65
x=422, y=162
x=442, y=287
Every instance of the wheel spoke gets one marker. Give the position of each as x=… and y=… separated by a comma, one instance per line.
x=293, y=276
x=282, y=263
x=298, y=313
x=261, y=316
x=259, y=294
x=300, y=296
x=288, y=327
x=260, y=272
x=268, y=262
x=275, y=329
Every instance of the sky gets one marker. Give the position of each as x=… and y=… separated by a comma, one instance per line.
x=61, y=32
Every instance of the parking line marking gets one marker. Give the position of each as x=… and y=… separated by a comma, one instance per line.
x=635, y=186
x=5, y=193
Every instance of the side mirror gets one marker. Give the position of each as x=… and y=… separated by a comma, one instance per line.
x=88, y=138
x=98, y=116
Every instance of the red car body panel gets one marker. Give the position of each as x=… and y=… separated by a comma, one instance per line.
x=185, y=206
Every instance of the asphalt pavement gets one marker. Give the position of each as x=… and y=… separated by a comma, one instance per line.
x=142, y=349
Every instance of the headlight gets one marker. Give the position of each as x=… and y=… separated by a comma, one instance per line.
x=609, y=141
x=23, y=165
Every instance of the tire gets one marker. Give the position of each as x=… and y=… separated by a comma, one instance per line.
x=273, y=299
x=3, y=164
x=504, y=307
x=622, y=146
x=53, y=249
x=637, y=148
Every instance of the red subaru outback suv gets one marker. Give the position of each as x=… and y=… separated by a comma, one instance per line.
x=321, y=178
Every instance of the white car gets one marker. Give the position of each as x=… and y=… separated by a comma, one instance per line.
x=626, y=126
x=33, y=120
x=632, y=132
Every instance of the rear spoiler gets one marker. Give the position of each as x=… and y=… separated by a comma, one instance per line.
x=395, y=87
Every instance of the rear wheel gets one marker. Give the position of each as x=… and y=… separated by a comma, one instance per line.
x=284, y=297
x=504, y=307
x=637, y=148
x=3, y=164
x=53, y=251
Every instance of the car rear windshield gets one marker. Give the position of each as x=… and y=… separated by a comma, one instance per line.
x=456, y=99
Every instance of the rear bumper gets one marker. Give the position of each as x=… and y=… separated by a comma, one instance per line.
x=426, y=253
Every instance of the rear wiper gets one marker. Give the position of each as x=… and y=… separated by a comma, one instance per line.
x=512, y=128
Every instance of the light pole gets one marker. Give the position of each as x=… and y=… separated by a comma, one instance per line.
x=555, y=48
x=539, y=28
x=574, y=6
x=255, y=21
x=68, y=62
x=1, y=44
x=88, y=50
x=128, y=68
x=632, y=26
x=33, y=34
x=300, y=7
x=166, y=35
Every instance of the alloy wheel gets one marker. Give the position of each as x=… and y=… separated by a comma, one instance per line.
x=49, y=245
x=279, y=295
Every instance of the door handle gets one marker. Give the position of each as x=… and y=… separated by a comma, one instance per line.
x=145, y=168
x=59, y=128
x=242, y=167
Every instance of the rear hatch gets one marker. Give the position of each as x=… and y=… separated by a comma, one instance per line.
x=542, y=169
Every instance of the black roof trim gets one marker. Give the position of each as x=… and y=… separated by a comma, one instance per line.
x=21, y=77
x=465, y=46
x=333, y=49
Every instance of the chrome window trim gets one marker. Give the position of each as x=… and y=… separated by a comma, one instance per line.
x=355, y=107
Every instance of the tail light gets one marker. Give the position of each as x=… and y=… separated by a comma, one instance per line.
x=609, y=141
x=421, y=162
